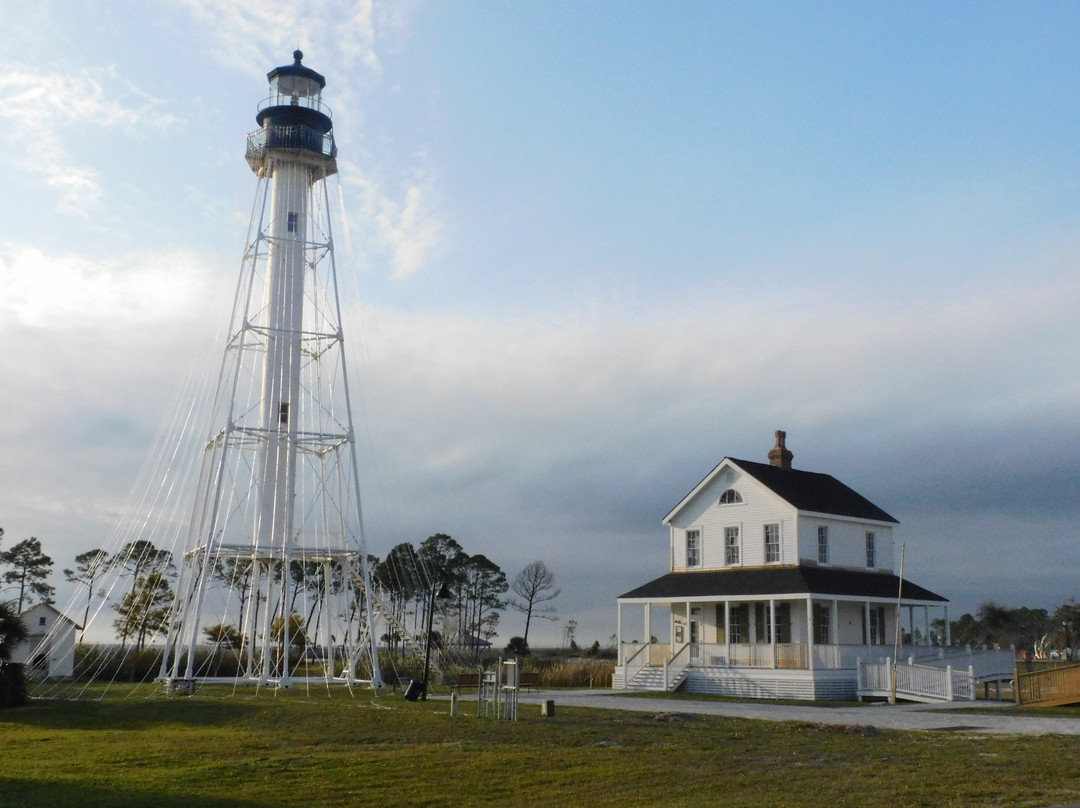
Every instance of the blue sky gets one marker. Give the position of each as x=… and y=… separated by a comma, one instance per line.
x=590, y=249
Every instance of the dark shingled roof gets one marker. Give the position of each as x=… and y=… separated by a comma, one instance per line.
x=811, y=491
x=765, y=581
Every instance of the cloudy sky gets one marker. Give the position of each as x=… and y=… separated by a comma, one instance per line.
x=589, y=250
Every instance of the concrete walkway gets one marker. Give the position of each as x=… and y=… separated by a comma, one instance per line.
x=949, y=717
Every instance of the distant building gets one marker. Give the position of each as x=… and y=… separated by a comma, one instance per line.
x=779, y=581
x=49, y=649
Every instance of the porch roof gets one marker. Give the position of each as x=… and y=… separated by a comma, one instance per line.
x=771, y=581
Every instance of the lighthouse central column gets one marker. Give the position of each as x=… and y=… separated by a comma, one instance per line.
x=276, y=461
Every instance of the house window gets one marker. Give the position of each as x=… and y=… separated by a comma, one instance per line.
x=693, y=548
x=41, y=621
x=823, y=544
x=731, y=546
x=737, y=622
x=772, y=544
x=291, y=224
x=870, y=549
x=876, y=634
x=730, y=497
x=821, y=624
x=766, y=623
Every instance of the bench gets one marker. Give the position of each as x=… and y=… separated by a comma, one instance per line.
x=467, y=680
x=528, y=681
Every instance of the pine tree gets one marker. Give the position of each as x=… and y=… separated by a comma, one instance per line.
x=30, y=569
x=89, y=567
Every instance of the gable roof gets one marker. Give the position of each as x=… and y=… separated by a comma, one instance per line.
x=766, y=581
x=37, y=607
x=803, y=490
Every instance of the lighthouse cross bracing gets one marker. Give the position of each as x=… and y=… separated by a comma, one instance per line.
x=275, y=558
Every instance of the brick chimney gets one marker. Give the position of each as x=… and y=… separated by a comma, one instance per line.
x=779, y=455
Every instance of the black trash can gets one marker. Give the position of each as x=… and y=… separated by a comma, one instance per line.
x=413, y=691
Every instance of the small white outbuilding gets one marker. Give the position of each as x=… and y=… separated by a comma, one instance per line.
x=49, y=649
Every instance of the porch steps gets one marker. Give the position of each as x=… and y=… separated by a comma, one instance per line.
x=651, y=678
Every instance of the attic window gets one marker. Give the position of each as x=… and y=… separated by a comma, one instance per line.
x=730, y=497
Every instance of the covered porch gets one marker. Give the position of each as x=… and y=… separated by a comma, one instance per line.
x=771, y=633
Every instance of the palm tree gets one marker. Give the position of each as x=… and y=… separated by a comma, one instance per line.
x=12, y=680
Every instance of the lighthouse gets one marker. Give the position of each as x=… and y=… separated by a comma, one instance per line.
x=273, y=587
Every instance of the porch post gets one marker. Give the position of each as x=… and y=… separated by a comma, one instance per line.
x=770, y=618
x=866, y=623
x=810, y=632
x=834, y=634
x=727, y=631
x=948, y=628
x=618, y=632
x=926, y=621
x=648, y=622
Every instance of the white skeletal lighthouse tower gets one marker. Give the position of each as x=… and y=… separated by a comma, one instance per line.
x=273, y=586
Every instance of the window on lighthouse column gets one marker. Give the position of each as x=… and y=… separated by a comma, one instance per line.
x=291, y=224
x=283, y=413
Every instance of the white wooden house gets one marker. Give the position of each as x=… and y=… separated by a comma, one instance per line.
x=780, y=581
x=49, y=649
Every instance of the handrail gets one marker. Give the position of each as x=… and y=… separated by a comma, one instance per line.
x=917, y=681
x=295, y=136
x=1048, y=687
x=629, y=673
x=304, y=101
x=672, y=663
x=674, y=657
x=636, y=653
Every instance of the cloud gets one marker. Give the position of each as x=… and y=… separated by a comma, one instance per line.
x=41, y=109
x=72, y=292
x=347, y=33
x=99, y=355
x=403, y=226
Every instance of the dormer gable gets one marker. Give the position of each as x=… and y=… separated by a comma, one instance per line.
x=720, y=487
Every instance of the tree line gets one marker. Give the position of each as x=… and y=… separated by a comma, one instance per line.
x=1029, y=631
x=406, y=582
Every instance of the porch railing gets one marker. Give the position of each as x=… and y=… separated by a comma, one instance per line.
x=798, y=656
x=750, y=655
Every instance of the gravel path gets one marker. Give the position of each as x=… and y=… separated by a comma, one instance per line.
x=954, y=717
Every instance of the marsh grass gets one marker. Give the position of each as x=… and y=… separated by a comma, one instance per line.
x=335, y=748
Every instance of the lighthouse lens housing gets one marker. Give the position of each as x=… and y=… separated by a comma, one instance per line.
x=295, y=87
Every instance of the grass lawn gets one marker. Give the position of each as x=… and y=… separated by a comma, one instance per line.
x=267, y=748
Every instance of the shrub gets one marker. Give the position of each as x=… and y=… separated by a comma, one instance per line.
x=517, y=647
x=12, y=685
x=578, y=673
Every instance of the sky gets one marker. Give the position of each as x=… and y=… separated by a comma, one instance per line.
x=587, y=250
